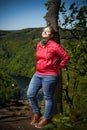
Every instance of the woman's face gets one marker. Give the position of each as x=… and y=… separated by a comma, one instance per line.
x=46, y=34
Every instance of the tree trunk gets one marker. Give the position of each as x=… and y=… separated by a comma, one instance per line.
x=52, y=19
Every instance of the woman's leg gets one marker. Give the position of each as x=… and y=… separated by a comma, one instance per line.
x=33, y=88
x=49, y=84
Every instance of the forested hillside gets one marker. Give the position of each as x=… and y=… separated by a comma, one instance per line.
x=17, y=50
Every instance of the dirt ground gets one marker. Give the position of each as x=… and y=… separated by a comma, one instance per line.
x=16, y=125
x=16, y=116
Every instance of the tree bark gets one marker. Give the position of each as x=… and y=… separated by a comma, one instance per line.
x=52, y=19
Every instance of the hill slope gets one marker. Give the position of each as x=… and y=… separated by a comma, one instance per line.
x=17, y=51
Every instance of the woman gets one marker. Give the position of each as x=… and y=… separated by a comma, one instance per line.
x=50, y=59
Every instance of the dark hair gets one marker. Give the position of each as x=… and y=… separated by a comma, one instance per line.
x=52, y=29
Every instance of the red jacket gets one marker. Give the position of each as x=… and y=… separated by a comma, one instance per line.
x=50, y=58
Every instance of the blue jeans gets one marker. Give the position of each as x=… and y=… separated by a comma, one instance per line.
x=48, y=84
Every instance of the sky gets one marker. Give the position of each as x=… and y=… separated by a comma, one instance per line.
x=20, y=14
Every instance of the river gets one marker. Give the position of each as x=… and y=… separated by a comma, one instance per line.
x=23, y=83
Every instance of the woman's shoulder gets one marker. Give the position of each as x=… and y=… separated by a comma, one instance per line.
x=54, y=43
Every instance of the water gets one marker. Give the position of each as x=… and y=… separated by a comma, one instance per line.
x=23, y=83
